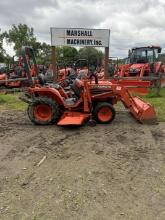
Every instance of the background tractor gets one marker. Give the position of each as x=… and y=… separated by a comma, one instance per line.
x=144, y=62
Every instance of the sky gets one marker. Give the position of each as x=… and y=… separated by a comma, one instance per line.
x=132, y=22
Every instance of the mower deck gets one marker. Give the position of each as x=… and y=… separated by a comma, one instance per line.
x=73, y=118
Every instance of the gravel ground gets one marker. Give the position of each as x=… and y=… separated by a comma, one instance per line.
x=107, y=172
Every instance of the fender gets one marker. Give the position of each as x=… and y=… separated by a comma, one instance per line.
x=47, y=91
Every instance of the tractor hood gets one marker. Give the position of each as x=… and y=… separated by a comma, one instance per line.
x=136, y=68
x=137, y=65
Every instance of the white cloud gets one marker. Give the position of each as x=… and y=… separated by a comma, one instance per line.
x=132, y=23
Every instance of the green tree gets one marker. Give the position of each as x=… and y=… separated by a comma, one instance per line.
x=22, y=35
x=162, y=57
x=93, y=55
x=44, y=54
x=66, y=55
x=2, y=50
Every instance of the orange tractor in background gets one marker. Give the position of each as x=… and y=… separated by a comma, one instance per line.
x=68, y=70
x=89, y=99
x=15, y=76
x=77, y=67
x=83, y=68
x=3, y=77
x=143, y=62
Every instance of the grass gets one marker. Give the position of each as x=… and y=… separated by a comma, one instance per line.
x=11, y=101
x=158, y=101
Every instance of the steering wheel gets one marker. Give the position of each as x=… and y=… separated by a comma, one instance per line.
x=95, y=76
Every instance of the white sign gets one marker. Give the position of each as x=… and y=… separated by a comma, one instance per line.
x=80, y=37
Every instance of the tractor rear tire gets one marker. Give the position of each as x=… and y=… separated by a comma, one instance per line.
x=104, y=113
x=43, y=111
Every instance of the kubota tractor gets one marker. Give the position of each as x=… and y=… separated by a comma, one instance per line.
x=88, y=100
x=3, y=77
x=143, y=62
x=15, y=75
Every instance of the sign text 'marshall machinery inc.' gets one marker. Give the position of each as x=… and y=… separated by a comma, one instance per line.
x=80, y=37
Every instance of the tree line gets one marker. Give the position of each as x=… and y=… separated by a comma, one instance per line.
x=22, y=35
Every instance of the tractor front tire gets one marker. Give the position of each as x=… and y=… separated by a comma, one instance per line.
x=104, y=113
x=43, y=111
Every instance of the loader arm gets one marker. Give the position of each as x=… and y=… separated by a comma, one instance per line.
x=27, y=52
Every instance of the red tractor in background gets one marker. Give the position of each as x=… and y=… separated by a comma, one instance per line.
x=68, y=69
x=14, y=76
x=82, y=67
x=143, y=62
x=10, y=73
x=3, y=77
x=76, y=68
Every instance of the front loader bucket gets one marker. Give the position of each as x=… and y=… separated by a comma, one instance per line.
x=142, y=111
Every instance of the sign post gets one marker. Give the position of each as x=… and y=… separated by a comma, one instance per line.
x=106, y=60
x=80, y=37
x=54, y=64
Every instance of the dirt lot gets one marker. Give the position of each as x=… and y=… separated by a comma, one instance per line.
x=107, y=172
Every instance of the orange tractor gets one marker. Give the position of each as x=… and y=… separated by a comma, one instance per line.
x=88, y=100
x=15, y=76
x=143, y=62
x=82, y=67
x=3, y=77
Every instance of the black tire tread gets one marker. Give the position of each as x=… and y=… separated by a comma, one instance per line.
x=97, y=108
x=43, y=100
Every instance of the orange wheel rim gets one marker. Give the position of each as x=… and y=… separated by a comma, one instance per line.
x=43, y=112
x=105, y=114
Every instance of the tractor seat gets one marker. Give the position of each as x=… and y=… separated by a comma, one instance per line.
x=70, y=101
x=77, y=87
x=54, y=85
